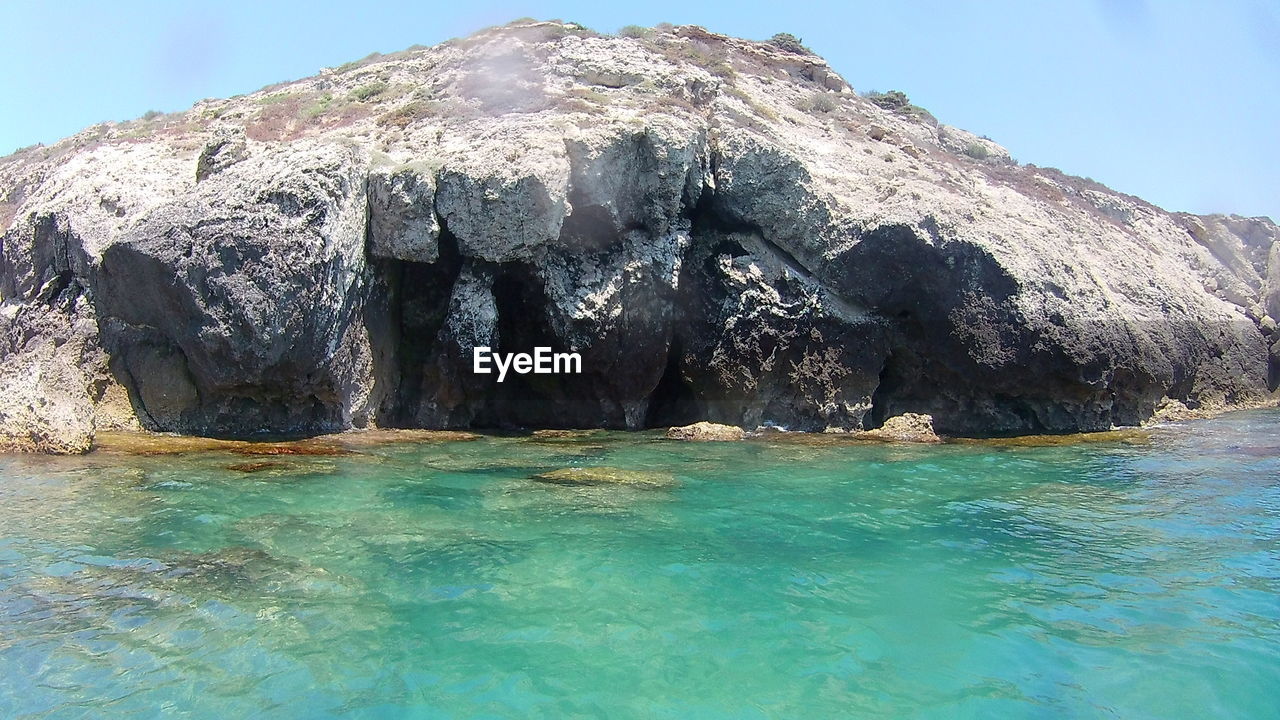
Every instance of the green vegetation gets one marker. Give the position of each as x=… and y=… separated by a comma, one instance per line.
x=789, y=43
x=977, y=151
x=406, y=115
x=369, y=91
x=554, y=32
x=318, y=107
x=296, y=114
x=897, y=102
x=635, y=31
x=892, y=100
x=921, y=114
x=152, y=115
x=275, y=98
x=371, y=57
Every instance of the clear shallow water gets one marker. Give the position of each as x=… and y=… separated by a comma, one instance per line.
x=1133, y=579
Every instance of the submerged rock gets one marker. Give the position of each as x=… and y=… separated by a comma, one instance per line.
x=167, y=444
x=1128, y=436
x=256, y=467
x=811, y=439
x=300, y=448
x=705, y=431
x=295, y=468
x=146, y=443
x=385, y=436
x=590, y=476
x=556, y=437
x=679, y=209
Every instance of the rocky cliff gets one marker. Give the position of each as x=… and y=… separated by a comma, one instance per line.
x=721, y=228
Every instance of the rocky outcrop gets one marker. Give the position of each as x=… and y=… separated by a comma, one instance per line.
x=234, y=307
x=722, y=230
x=705, y=431
x=908, y=427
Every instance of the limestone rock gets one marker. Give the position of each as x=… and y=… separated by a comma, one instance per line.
x=402, y=214
x=43, y=406
x=705, y=431
x=1170, y=410
x=676, y=208
x=219, y=154
x=907, y=427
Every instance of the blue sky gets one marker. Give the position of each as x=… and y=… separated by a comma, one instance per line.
x=1176, y=101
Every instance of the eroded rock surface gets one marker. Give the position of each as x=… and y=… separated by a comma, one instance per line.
x=722, y=230
x=907, y=427
x=705, y=431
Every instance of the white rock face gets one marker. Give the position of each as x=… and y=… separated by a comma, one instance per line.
x=723, y=230
x=44, y=403
x=402, y=214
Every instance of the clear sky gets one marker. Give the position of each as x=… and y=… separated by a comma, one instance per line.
x=1177, y=101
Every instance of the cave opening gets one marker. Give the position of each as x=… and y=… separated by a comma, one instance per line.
x=523, y=323
x=673, y=401
x=882, y=405
x=418, y=303
x=589, y=228
x=521, y=302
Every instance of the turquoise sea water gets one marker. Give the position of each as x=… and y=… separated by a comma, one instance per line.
x=1123, y=579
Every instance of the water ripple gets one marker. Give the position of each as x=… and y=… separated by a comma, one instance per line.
x=1104, y=579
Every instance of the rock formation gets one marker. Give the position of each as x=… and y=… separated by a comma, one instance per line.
x=908, y=427
x=722, y=229
x=591, y=476
x=705, y=431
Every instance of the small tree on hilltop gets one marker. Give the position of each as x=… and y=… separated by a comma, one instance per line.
x=789, y=43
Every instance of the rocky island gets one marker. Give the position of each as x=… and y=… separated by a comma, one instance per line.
x=722, y=229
